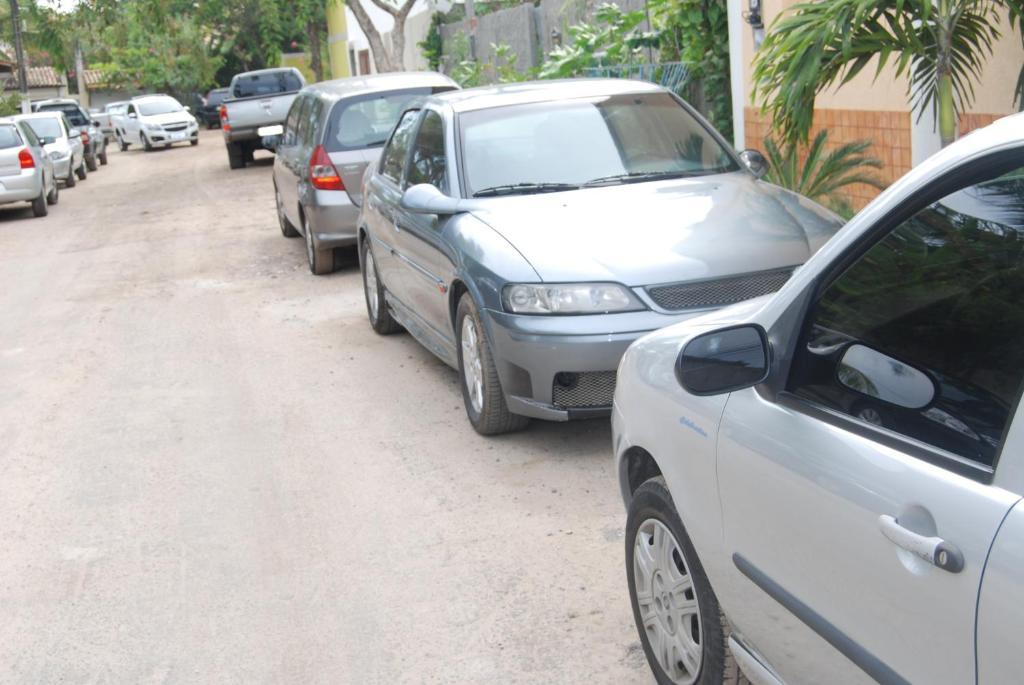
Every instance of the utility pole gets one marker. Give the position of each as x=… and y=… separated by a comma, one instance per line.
x=471, y=20
x=19, y=54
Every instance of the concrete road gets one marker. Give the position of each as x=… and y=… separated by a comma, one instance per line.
x=214, y=471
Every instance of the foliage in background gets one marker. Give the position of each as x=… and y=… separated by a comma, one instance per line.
x=819, y=173
x=10, y=104
x=941, y=44
x=614, y=38
x=501, y=68
x=432, y=45
x=696, y=33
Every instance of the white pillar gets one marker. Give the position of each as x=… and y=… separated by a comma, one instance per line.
x=736, y=67
x=924, y=136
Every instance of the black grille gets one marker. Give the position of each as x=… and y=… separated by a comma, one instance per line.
x=176, y=127
x=718, y=292
x=584, y=389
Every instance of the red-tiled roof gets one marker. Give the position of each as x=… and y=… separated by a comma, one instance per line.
x=38, y=77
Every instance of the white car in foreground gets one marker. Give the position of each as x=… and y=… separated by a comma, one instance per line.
x=824, y=485
x=155, y=120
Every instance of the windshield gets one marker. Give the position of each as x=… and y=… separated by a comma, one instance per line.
x=358, y=124
x=74, y=113
x=270, y=83
x=603, y=140
x=47, y=129
x=155, y=106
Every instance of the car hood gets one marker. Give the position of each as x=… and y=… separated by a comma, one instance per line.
x=661, y=232
x=169, y=118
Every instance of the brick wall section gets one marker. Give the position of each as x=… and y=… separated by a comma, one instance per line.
x=969, y=122
x=888, y=131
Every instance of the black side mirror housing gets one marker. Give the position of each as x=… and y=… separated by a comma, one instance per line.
x=756, y=162
x=724, y=360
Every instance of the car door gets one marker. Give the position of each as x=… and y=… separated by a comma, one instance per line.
x=132, y=125
x=382, y=199
x=286, y=160
x=420, y=246
x=307, y=137
x=882, y=449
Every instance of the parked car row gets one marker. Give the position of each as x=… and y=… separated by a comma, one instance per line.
x=813, y=424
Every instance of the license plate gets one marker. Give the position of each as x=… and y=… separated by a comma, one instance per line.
x=178, y=135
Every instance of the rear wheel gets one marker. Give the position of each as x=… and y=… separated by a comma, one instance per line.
x=81, y=172
x=39, y=207
x=70, y=181
x=376, y=302
x=321, y=261
x=481, y=388
x=287, y=230
x=103, y=156
x=122, y=143
x=90, y=162
x=236, y=156
x=682, y=629
x=54, y=195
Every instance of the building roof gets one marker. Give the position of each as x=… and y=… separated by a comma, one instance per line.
x=94, y=78
x=38, y=77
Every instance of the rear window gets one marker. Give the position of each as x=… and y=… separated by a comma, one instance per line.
x=48, y=129
x=216, y=97
x=74, y=113
x=9, y=137
x=367, y=122
x=270, y=83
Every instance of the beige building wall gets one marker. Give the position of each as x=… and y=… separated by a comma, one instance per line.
x=878, y=109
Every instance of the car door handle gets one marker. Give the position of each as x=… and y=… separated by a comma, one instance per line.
x=934, y=550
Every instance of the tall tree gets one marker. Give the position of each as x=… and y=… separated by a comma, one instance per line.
x=941, y=44
x=385, y=59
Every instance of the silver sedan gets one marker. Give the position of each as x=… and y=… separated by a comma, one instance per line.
x=527, y=234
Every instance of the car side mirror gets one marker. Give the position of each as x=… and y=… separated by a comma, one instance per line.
x=425, y=198
x=74, y=133
x=724, y=360
x=878, y=375
x=756, y=162
x=96, y=123
x=188, y=108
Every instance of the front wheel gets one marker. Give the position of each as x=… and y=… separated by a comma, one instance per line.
x=194, y=142
x=90, y=162
x=81, y=172
x=376, y=302
x=122, y=143
x=103, y=156
x=146, y=145
x=54, y=195
x=70, y=181
x=681, y=626
x=482, y=395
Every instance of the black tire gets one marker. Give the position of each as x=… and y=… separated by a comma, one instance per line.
x=236, y=156
x=54, y=195
x=493, y=416
x=81, y=171
x=121, y=143
x=287, y=230
x=321, y=260
x=653, y=501
x=383, y=323
x=90, y=162
x=39, y=207
x=70, y=181
x=103, y=156
x=146, y=145
x=194, y=142
x=250, y=153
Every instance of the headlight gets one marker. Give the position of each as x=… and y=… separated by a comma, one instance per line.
x=569, y=298
x=152, y=127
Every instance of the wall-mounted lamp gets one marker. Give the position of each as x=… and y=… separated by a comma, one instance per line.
x=756, y=21
x=556, y=37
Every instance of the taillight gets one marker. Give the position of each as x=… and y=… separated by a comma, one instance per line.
x=322, y=173
x=223, y=112
x=85, y=138
x=25, y=159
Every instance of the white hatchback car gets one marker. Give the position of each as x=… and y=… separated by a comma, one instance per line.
x=825, y=485
x=155, y=120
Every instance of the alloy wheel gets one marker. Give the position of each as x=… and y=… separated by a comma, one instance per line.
x=667, y=602
x=472, y=366
x=370, y=283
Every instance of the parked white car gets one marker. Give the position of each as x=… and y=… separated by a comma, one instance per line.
x=26, y=171
x=826, y=483
x=155, y=120
x=62, y=142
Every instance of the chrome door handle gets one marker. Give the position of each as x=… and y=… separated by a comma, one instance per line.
x=934, y=550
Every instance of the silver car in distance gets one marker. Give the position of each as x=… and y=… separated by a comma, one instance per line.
x=527, y=234
x=26, y=171
x=825, y=484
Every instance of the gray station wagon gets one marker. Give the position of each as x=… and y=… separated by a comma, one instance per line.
x=334, y=129
x=528, y=233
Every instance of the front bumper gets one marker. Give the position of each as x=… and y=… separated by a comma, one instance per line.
x=182, y=136
x=562, y=367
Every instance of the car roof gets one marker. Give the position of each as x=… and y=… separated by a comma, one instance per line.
x=375, y=83
x=270, y=70
x=151, y=96
x=38, y=115
x=485, y=97
x=56, y=101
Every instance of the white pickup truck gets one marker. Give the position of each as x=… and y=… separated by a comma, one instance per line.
x=256, y=99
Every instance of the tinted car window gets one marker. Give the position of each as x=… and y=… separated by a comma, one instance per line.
x=302, y=125
x=291, y=124
x=270, y=83
x=393, y=157
x=367, y=122
x=427, y=163
x=312, y=116
x=584, y=139
x=216, y=97
x=46, y=128
x=29, y=135
x=9, y=137
x=74, y=113
x=936, y=309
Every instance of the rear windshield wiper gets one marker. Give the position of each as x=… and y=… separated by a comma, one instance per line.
x=524, y=188
x=637, y=177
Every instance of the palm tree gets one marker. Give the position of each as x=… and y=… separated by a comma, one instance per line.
x=815, y=45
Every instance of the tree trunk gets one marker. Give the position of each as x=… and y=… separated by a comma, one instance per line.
x=398, y=37
x=315, y=63
x=381, y=58
x=946, y=110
